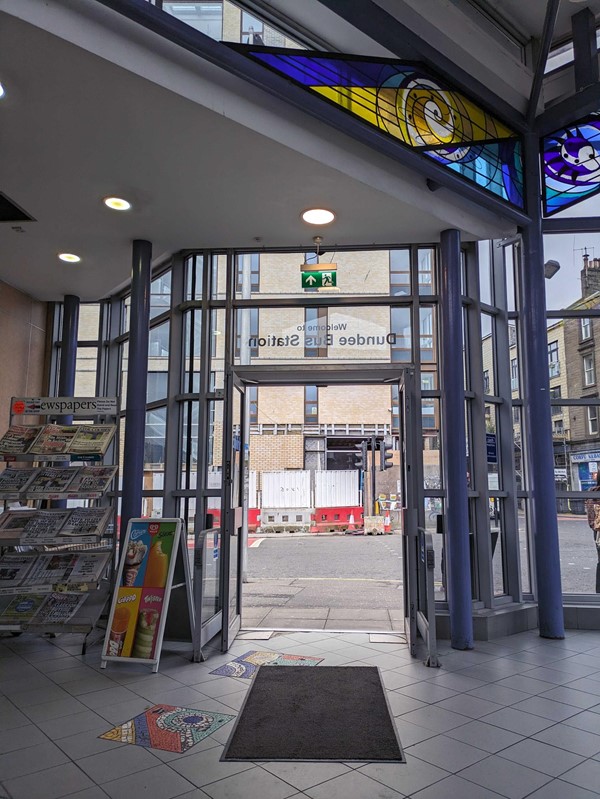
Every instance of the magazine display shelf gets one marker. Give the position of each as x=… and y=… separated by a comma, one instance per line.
x=89, y=596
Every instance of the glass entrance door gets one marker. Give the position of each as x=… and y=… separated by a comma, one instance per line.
x=412, y=501
x=235, y=449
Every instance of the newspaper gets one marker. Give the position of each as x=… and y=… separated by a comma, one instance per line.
x=51, y=480
x=54, y=439
x=14, y=482
x=43, y=526
x=18, y=439
x=92, y=479
x=21, y=609
x=86, y=522
x=14, y=567
x=58, y=608
x=92, y=439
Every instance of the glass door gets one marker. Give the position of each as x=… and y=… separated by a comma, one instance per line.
x=412, y=482
x=235, y=451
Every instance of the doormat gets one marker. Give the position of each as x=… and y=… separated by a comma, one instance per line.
x=335, y=713
x=246, y=665
x=173, y=729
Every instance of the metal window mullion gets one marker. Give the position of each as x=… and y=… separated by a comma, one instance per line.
x=505, y=440
x=227, y=445
x=483, y=578
x=174, y=373
x=203, y=406
x=55, y=348
x=102, y=345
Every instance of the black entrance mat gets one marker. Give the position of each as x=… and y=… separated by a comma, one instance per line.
x=324, y=713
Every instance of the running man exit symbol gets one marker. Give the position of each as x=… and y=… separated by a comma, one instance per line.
x=315, y=277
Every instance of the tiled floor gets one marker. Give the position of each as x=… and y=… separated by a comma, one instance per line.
x=519, y=717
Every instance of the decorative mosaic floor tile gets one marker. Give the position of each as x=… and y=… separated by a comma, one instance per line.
x=246, y=665
x=173, y=729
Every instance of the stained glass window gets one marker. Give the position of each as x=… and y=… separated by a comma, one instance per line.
x=571, y=164
x=414, y=107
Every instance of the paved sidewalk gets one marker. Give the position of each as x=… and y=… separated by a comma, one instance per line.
x=324, y=604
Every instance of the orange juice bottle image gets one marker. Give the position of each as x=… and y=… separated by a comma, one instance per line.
x=118, y=630
x=157, y=568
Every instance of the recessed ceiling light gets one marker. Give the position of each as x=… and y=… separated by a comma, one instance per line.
x=318, y=216
x=2, y=91
x=69, y=257
x=117, y=203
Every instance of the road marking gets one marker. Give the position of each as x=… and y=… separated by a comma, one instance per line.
x=255, y=542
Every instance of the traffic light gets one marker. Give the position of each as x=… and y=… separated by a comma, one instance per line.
x=385, y=456
x=360, y=457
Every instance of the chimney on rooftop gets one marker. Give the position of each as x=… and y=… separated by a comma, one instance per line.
x=590, y=275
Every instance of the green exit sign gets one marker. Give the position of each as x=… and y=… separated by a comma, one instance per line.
x=323, y=276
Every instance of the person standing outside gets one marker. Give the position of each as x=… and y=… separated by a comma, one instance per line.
x=592, y=507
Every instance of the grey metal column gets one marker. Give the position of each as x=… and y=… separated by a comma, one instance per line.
x=536, y=405
x=137, y=380
x=458, y=566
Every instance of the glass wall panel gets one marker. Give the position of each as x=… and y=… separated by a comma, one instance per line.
x=577, y=255
x=215, y=443
x=576, y=442
x=154, y=448
x=218, y=277
x=89, y=322
x=493, y=448
x=186, y=510
x=160, y=295
x=188, y=450
x=465, y=362
x=217, y=349
x=400, y=282
x=363, y=273
x=225, y=21
x=125, y=313
x=124, y=353
x=428, y=334
x=468, y=439
x=152, y=507
x=524, y=548
x=510, y=262
x=247, y=275
x=488, y=354
x=194, y=267
x=434, y=506
x=517, y=414
x=206, y=17
x=192, y=325
x=85, y=371
x=426, y=270
x=485, y=272
x=579, y=557
x=432, y=448
x=496, y=517
x=335, y=335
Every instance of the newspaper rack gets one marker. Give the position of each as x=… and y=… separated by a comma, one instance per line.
x=63, y=606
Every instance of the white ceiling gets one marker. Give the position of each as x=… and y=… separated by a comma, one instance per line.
x=207, y=160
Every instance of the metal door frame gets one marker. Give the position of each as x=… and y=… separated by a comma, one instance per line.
x=242, y=376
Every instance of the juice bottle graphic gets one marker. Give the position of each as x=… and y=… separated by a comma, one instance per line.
x=157, y=568
x=118, y=630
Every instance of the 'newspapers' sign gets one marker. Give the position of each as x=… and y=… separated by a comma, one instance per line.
x=65, y=406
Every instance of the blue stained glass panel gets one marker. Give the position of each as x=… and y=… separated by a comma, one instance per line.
x=416, y=108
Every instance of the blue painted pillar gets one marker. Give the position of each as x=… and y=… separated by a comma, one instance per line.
x=137, y=380
x=458, y=559
x=536, y=406
x=68, y=365
x=68, y=347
